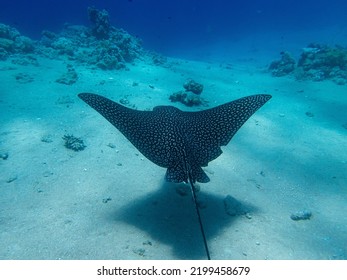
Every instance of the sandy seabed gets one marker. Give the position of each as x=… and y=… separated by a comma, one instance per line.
x=109, y=202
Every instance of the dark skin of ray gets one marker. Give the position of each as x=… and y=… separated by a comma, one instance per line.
x=182, y=142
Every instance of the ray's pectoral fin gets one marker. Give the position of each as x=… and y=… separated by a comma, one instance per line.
x=182, y=142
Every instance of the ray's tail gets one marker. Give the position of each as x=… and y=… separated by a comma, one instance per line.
x=199, y=218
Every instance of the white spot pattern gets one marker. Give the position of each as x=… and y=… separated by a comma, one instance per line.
x=180, y=141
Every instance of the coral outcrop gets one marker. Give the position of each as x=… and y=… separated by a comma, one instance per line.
x=193, y=87
x=73, y=143
x=12, y=42
x=100, y=45
x=186, y=98
x=284, y=66
x=190, y=96
x=321, y=62
x=317, y=63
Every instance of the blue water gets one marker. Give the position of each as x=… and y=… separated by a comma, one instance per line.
x=196, y=28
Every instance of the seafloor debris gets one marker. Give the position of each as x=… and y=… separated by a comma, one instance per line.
x=3, y=155
x=24, y=78
x=140, y=251
x=105, y=200
x=65, y=100
x=12, y=178
x=301, y=215
x=68, y=78
x=159, y=59
x=111, y=145
x=124, y=101
x=47, y=138
x=25, y=60
x=73, y=143
x=147, y=242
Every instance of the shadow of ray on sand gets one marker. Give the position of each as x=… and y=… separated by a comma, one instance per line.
x=171, y=218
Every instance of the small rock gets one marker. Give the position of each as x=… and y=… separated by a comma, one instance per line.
x=47, y=173
x=105, y=200
x=124, y=101
x=301, y=215
x=68, y=78
x=140, y=251
x=4, y=155
x=65, y=100
x=248, y=216
x=24, y=78
x=12, y=178
x=111, y=145
x=47, y=139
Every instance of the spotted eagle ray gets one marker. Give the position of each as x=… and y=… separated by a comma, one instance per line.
x=183, y=142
